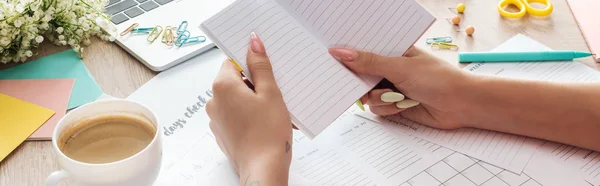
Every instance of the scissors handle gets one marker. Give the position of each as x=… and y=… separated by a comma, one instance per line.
x=538, y=12
x=524, y=7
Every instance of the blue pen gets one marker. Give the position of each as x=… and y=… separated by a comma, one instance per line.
x=532, y=56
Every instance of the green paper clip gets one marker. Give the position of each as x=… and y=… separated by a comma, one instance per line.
x=142, y=30
x=432, y=40
x=182, y=38
x=182, y=27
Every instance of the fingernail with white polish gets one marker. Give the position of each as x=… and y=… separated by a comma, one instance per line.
x=391, y=97
x=407, y=103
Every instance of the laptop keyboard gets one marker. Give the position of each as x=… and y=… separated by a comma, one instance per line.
x=123, y=10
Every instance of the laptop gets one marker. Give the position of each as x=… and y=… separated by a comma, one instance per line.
x=149, y=13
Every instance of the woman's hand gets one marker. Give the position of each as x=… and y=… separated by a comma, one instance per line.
x=252, y=127
x=433, y=87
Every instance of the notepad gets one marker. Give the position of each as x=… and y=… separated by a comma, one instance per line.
x=18, y=120
x=315, y=86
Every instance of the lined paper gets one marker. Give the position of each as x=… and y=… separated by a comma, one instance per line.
x=508, y=151
x=315, y=86
x=385, y=27
x=356, y=151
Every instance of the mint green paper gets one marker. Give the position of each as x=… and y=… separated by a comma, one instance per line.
x=65, y=64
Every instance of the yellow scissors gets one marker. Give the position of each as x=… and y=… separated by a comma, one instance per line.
x=524, y=7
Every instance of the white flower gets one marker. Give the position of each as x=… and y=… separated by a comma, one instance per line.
x=76, y=47
x=18, y=23
x=61, y=37
x=59, y=30
x=62, y=42
x=28, y=53
x=39, y=39
x=111, y=38
x=79, y=32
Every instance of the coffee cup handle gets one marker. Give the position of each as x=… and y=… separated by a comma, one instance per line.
x=55, y=177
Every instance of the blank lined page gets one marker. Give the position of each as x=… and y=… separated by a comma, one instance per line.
x=316, y=88
x=385, y=27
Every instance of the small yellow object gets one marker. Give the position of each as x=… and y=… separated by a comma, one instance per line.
x=456, y=20
x=470, y=30
x=444, y=45
x=129, y=29
x=524, y=7
x=236, y=65
x=168, y=37
x=154, y=34
x=460, y=8
x=360, y=105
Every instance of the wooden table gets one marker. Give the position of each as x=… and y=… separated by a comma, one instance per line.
x=119, y=74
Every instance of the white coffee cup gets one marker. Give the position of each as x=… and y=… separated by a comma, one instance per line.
x=141, y=169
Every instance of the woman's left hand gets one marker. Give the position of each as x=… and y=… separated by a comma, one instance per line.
x=252, y=127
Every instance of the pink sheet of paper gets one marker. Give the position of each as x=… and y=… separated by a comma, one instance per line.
x=53, y=94
x=588, y=19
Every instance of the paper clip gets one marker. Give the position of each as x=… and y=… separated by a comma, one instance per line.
x=443, y=45
x=168, y=37
x=142, y=30
x=197, y=39
x=432, y=40
x=154, y=34
x=182, y=38
x=182, y=27
x=129, y=29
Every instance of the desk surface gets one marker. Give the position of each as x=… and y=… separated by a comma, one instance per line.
x=119, y=74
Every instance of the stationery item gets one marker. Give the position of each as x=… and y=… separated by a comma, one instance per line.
x=525, y=8
x=168, y=37
x=53, y=94
x=182, y=38
x=503, y=150
x=443, y=45
x=142, y=30
x=470, y=30
x=316, y=87
x=456, y=20
x=355, y=151
x=528, y=56
x=129, y=29
x=18, y=120
x=182, y=27
x=460, y=8
x=575, y=161
x=445, y=39
x=65, y=64
x=78, y=148
x=585, y=13
x=156, y=31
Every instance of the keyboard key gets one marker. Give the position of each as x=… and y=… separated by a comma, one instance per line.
x=119, y=7
x=134, y=12
x=162, y=2
x=141, y=1
x=148, y=6
x=119, y=18
x=111, y=2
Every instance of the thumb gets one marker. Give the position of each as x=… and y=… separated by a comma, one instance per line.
x=260, y=66
x=369, y=63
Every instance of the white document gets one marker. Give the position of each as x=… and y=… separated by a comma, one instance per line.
x=356, y=151
x=557, y=164
x=316, y=87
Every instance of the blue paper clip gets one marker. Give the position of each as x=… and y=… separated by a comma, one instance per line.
x=197, y=39
x=182, y=38
x=182, y=27
x=446, y=39
x=142, y=30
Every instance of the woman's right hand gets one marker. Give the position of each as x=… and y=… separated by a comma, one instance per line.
x=436, y=91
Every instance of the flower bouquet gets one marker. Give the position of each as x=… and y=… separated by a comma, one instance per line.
x=24, y=24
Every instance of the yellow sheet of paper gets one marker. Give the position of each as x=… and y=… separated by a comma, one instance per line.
x=18, y=120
